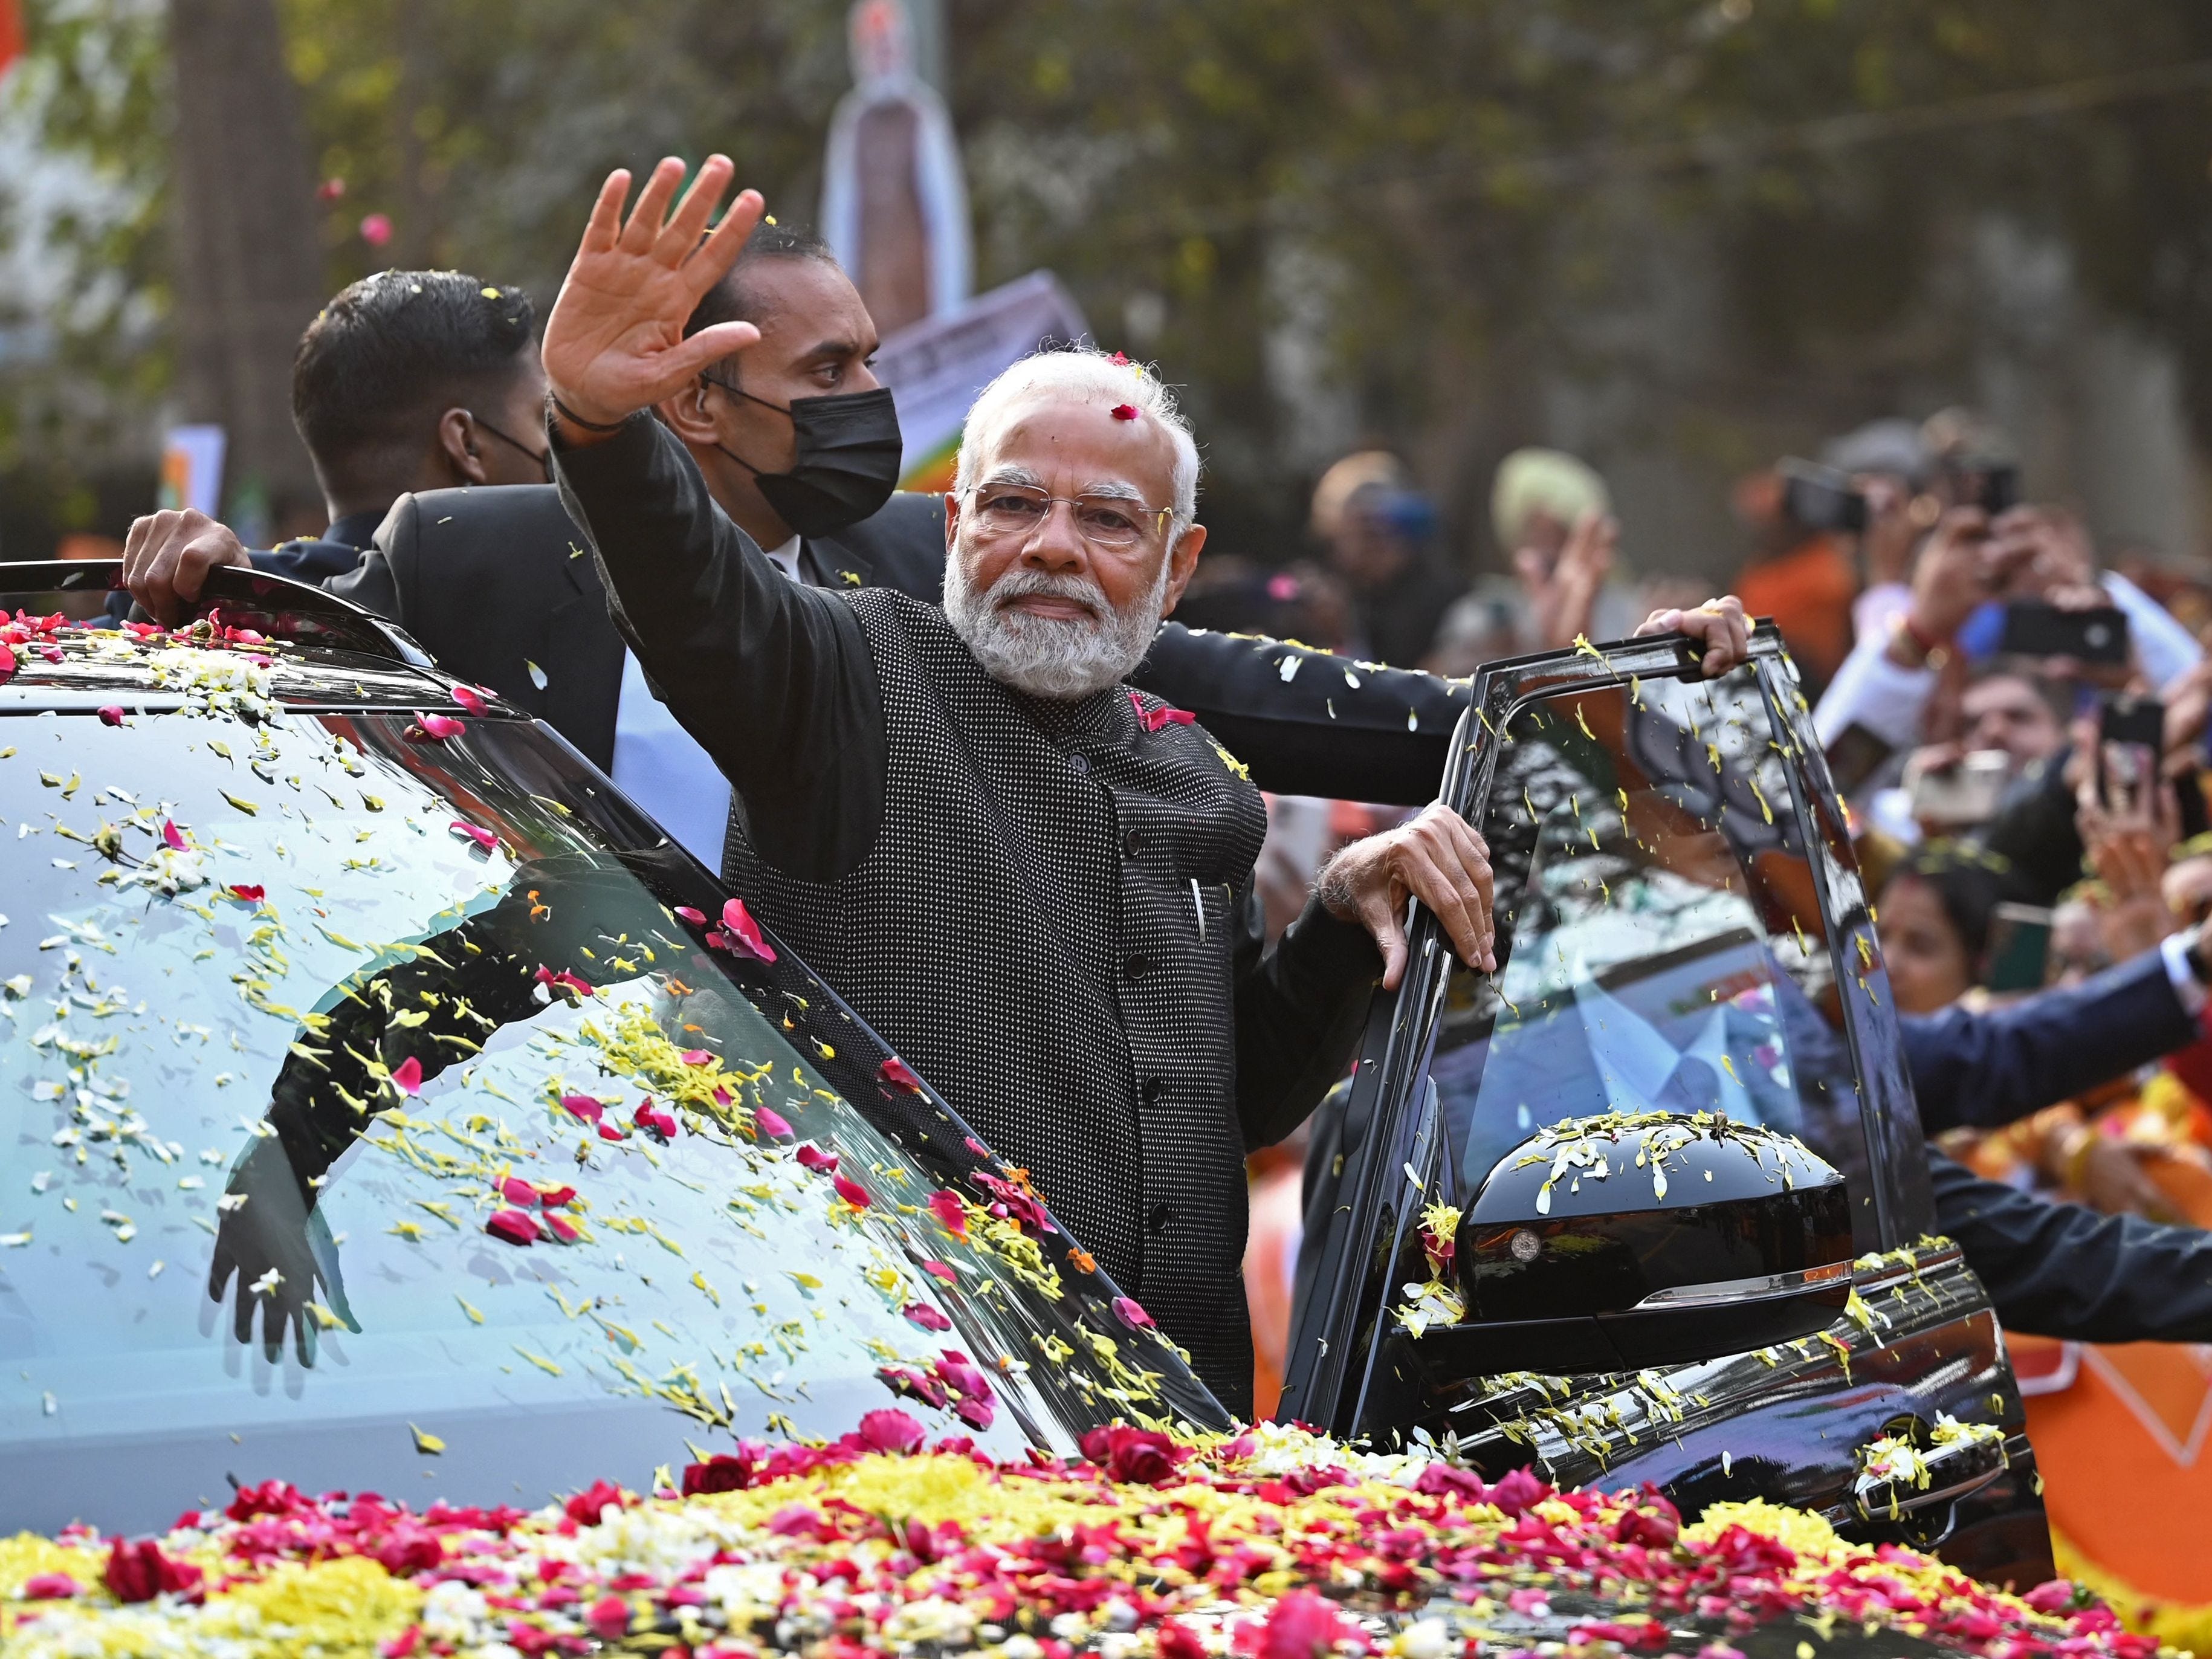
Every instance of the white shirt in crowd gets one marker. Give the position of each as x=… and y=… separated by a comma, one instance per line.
x=660, y=766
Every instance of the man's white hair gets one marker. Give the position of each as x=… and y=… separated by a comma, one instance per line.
x=1086, y=375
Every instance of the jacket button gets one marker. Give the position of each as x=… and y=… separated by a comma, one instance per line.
x=1135, y=968
x=1157, y=1222
x=1079, y=764
x=1132, y=844
x=1155, y=1090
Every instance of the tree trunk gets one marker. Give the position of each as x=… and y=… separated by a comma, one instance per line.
x=248, y=261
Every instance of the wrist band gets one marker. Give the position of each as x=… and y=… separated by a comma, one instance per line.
x=574, y=419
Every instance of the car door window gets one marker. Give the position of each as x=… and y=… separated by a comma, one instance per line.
x=1660, y=939
x=305, y=1028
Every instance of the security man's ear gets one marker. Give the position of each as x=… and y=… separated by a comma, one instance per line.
x=457, y=438
x=689, y=414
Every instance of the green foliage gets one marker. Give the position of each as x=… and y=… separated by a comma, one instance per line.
x=1445, y=200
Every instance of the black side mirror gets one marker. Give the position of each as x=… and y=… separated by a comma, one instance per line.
x=1610, y=1243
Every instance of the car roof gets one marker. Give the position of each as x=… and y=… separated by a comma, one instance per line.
x=322, y=651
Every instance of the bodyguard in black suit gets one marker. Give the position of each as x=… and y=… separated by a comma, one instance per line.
x=493, y=581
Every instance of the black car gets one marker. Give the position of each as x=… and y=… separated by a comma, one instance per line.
x=1651, y=1203
x=382, y=1090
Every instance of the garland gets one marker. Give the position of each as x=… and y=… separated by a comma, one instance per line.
x=1276, y=1544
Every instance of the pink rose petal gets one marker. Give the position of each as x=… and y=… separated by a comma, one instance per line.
x=939, y=1270
x=482, y=837
x=890, y=1430
x=584, y=1107
x=515, y=1190
x=695, y=917
x=927, y=1316
x=771, y=1121
x=172, y=837
x=740, y=935
x=407, y=1076
x=434, y=728
x=561, y=1228
x=469, y=698
x=514, y=1226
x=112, y=715
x=1132, y=1314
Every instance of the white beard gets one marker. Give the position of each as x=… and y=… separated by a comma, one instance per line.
x=1048, y=656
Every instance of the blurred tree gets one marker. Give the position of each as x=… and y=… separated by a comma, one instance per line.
x=1731, y=224
x=247, y=272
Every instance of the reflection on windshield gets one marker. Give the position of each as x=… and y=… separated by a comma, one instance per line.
x=354, y=1078
x=1662, y=945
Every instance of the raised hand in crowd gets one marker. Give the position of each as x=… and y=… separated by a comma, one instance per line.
x=1563, y=594
x=615, y=341
x=1891, y=531
x=1962, y=566
x=2129, y=832
x=167, y=557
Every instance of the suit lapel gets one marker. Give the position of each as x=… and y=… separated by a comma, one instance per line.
x=833, y=564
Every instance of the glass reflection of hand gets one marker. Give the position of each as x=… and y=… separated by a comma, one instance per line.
x=273, y=1242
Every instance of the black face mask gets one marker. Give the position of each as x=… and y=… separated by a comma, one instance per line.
x=847, y=464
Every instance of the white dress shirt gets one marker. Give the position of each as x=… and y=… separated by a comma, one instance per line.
x=660, y=766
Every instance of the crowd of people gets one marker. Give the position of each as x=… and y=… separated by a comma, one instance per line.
x=957, y=750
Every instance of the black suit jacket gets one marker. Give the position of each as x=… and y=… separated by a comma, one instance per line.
x=492, y=579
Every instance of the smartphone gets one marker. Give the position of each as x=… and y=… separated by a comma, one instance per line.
x=2097, y=637
x=1994, y=488
x=1819, y=497
x=1855, y=756
x=2019, y=953
x=1959, y=795
x=2137, y=720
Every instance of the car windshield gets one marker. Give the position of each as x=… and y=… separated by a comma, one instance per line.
x=1661, y=941
x=377, y=1099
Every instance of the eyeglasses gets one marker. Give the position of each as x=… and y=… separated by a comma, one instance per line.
x=1012, y=509
x=543, y=457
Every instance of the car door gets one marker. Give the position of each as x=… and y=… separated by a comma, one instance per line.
x=1674, y=879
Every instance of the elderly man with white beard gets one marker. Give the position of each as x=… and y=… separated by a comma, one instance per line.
x=1036, y=884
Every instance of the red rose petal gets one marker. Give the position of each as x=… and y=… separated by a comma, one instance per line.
x=561, y=1228
x=1124, y=411
x=112, y=715
x=247, y=892
x=811, y=1156
x=557, y=1197
x=7, y=663
x=514, y=1226
x=851, y=1191
x=927, y=1316
x=947, y=1206
x=896, y=1073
